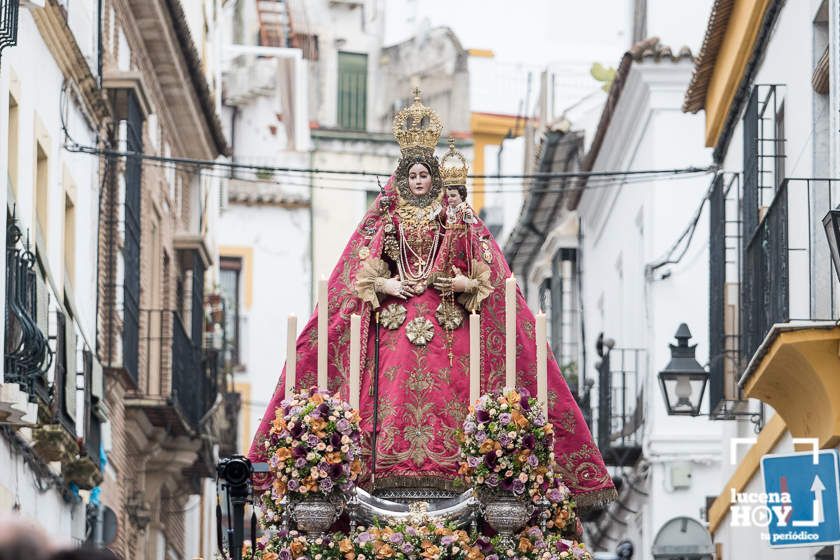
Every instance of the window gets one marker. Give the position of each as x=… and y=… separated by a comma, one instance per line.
x=13, y=143
x=41, y=187
x=230, y=279
x=69, y=239
x=352, y=91
x=559, y=298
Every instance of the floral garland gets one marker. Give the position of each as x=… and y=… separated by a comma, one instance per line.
x=404, y=541
x=312, y=447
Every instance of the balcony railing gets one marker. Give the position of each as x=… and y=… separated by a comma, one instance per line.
x=786, y=269
x=178, y=368
x=620, y=412
x=27, y=355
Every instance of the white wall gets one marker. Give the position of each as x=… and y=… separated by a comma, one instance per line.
x=280, y=284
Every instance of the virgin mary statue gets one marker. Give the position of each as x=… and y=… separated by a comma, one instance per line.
x=414, y=271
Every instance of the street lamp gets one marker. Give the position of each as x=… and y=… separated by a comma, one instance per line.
x=683, y=380
x=831, y=223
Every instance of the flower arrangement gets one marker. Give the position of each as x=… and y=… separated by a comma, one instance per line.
x=506, y=445
x=428, y=539
x=313, y=447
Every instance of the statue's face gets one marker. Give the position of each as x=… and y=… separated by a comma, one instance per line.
x=419, y=179
x=453, y=197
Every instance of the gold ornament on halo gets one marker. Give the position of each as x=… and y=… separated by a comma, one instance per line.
x=453, y=167
x=392, y=316
x=417, y=126
x=419, y=331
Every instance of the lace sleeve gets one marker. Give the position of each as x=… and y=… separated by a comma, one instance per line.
x=479, y=286
x=369, y=280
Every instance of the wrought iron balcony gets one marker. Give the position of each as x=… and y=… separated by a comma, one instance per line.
x=786, y=269
x=179, y=388
x=27, y=355
x=620, y=411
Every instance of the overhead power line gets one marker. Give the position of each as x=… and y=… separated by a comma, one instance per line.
x=199, y=163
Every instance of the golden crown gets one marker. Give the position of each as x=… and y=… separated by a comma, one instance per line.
x=417, y=126
x=453, y=167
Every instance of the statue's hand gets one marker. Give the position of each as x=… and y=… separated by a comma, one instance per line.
x=393, y=287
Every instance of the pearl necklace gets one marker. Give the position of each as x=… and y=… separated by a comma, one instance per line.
x=425, y=264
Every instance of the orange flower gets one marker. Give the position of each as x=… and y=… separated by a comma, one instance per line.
x=464, y=469
x=431, y=552
x=318, y=426
x=513, y=397
x=266, y=555
x=333, y=458
x=283, y=453
x=345, y=546
x=385, y=551
x=356, y=467
x=549, y=429
x=279, y=486
x=519, y=419
x=474, y=553
x=279, y=423
x=296, y=547
x=487, y=445
x=525, y=545
x=317, y=399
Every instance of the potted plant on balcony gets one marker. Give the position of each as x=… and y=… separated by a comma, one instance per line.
x=314, y=457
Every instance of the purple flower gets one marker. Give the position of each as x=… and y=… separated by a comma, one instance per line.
x=411, y=531
x=335, y=440
x=313, y=440
x=296, y=430
x=523, y=392
x=504, y=418
x=326, y=485
x=469, y=427
x=507, y=484
x=563, y=545
x=396, y=538
x=490, y=459
x=524, y=403
x=492, y=480
x=285, y=554
x=518, y=486
x=446, y=540
x=528, y=441
x=482, y=415
x=363, y=537
x=539, y=420
x=504, y=440
x=480, y=436
x=335, y=471
x=343, y=426
x=293, y=485
x=298, y=451
x=473, y=461
x=491, y=557
x=533, y=461
x=484, y=545
x=323, y=410
x=300, y=462
x=407, y=548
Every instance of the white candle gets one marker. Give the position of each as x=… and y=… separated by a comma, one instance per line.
x=510, y=332
x=475, y=357
x=291, y=354
x=542, y=364
x=355, y=357
x=323, y=317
